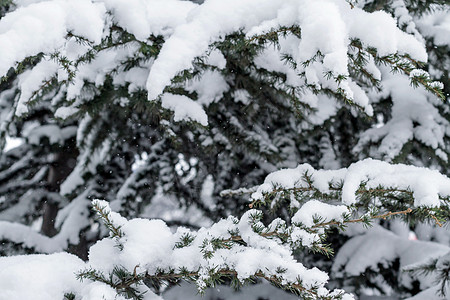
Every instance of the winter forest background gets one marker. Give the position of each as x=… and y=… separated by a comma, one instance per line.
x=230, y=149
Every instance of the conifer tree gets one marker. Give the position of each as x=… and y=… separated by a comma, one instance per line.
x=296, y=143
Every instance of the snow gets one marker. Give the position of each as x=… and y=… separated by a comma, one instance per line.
x=70, y=221
x=52, y=132
x=306, y=238
x=376, y=29
x=189, y=30
x=332, y=41
x=25, y=235
x=324, y=212
x=360, y=98
x=205, y=24
x=206, y=194
x=379, y=30
x=184, y=108
x=425, y=184
x=40, y=27
x=413, y=117
x=44, y=277
x=210, y=87
x=326, y=107
x=269, y=59
x=153, y=17
x=39, y=276
x=105, y=62
x=381, y=246
x=431, y=293
x=11, y=143
x=156, y=251
x=65, y=112
x=167, y=208
x=418, y=73
x=216, y=59
x=135, y=77
x=32, y=80
x=87, y=162
x=192, y=27
x=436, y=25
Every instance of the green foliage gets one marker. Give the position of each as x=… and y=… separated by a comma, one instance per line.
x=69, y=296
x=124, y=282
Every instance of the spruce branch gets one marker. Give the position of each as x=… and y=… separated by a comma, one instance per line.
x=334, y=192
x=238, y=192
x=126, y=283
x=69, y=296
x=42, y=87
x=104, y=213
x=273, y=34
x=216, y=275
x=209, y=246
x=436, y=220
x=364, y=219
x=405, y=64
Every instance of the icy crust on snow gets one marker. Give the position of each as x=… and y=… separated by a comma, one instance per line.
x=425, y=184
x=381, y=246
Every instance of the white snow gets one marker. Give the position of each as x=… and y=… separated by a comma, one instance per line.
x=32, y=80
x=41, y=27
x=316, y=209
x=436, y=25
x=210, y=87
x=146, y=17
x=413, y=117
x=189, y=30
x=39, y=277
x=425, y=184
x=379, y=245
x=149, y=246
x=184, y=108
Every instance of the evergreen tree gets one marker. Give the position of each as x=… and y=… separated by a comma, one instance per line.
x=184, y=111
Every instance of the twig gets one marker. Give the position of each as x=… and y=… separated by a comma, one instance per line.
x=382, y=216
